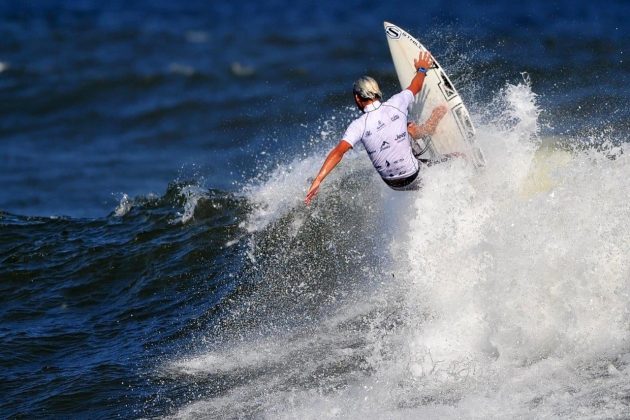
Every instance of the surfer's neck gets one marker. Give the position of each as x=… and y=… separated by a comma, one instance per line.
x=363, y=103
x=374, y=104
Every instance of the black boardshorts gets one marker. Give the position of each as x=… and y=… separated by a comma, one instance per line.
x=409, y=183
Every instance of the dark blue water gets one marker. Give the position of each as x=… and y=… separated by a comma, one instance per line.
x=153, y=157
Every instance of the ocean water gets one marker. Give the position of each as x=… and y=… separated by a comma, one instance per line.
x=157, y=260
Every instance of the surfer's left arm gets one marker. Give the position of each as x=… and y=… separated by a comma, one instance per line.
x=332, y=160
x=422, y=65
x=428, y=128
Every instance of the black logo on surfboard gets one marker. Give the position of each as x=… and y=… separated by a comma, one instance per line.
x=392, y=32
x=446, y=87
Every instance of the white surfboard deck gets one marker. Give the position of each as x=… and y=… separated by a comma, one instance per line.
x=455, y=132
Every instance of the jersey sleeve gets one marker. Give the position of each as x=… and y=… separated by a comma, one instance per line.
x=402, y=100
x=353, y=133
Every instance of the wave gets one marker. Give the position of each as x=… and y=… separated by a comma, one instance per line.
x=499, y=293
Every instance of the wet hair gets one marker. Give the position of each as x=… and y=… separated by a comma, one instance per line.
x=367, y=88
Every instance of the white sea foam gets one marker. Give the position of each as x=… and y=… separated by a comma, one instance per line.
x=192, y=194
x=514, y=283
x=285, y=190
x=124, y=205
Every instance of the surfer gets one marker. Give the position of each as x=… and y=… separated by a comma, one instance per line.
x=383, y=130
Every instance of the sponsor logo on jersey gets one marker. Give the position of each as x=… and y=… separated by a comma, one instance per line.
x=385, y=146
x=395, y=117
x=387, y=163
x=400, y=137
x=368, y=133
x=371, y=152
x=380, y=125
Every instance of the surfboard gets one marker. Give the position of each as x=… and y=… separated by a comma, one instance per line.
x=455, y=133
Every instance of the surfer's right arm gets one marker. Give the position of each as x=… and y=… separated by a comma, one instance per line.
x=333, y=158
x=424, y=61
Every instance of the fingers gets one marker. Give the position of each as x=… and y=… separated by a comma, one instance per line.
x=440, y=110
x=310, y=195
x=424, y=59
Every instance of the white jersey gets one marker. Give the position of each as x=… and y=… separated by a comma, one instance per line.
x=383, y=131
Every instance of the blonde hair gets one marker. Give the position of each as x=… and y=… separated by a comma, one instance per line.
x=367, y=88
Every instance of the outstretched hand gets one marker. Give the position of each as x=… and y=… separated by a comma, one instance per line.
x=312, y=192
x=424, y=60
x=333, y=158
x=428, y=128
x=438, y=113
